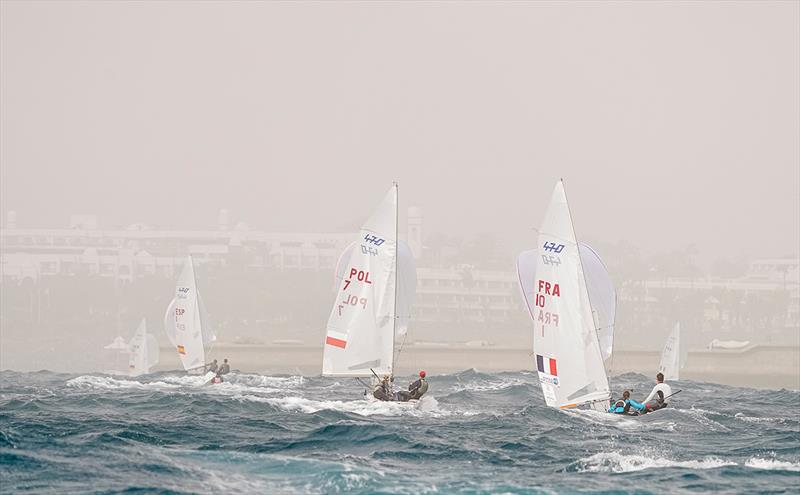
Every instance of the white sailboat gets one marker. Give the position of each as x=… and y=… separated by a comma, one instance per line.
x=376, y=283
x=673, y=356
x=573, y=334
x=143, y=351
x=186, y=322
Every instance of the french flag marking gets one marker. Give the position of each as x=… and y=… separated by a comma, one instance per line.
x=546, y=365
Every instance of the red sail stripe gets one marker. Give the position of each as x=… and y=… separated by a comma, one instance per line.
x=336, y=342
x=553, y=370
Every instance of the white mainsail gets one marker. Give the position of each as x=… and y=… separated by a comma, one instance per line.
x=406, y=281
x=602, y=294
x=361, y=328
x=143, y=349
x=565, y=339
x=673, y=357
x=185, y=322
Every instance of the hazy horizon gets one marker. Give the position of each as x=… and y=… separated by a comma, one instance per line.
x=672, y=124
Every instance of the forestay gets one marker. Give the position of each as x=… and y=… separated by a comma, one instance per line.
x=565, y=341
x=185, y=321
x=361, y=327
x=602, y=295
x=673, y=357
x=143, y=349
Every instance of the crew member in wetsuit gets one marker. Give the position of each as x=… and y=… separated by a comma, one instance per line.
x=213, y=366
x=625, y=404
x=383, y=390
x=660, y=392
x=224, y=368
x=416, y=389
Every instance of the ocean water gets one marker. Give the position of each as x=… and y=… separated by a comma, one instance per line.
x=474, y=433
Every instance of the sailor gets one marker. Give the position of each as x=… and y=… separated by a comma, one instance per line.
x=383, y=390
x=660, y=392
x=213, y=366
x=416, y=389
x=625, y=404
x=224, y=368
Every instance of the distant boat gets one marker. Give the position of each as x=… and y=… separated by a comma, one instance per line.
x=572, y=302
x=376, y=283
x=674, y=355
x=186, y=321
x=143, y=349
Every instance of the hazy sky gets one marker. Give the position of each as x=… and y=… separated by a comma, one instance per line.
x=673, y=123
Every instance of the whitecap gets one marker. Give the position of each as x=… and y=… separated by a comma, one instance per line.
x=614, y=462
x=772, y=464
x=363, y=407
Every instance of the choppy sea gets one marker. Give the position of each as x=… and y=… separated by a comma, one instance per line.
x=474, y=433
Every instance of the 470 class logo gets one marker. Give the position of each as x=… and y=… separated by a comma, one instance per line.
x=372, y=239
x=552, y=247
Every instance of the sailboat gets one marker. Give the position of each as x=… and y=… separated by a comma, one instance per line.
x=143, y=351
x=572, y=303
x=186, y=322
x=376, y=283
x=673, y=357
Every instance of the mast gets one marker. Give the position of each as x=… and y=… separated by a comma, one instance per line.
x=585, y=288
x=396, y=256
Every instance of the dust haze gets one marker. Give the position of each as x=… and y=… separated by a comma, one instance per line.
x=675, y=127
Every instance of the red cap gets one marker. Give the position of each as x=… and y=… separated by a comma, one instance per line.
x=422, y=374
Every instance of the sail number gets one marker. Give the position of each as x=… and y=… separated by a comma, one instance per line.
x=546, y=289
x=353, y=301
x=360, y=275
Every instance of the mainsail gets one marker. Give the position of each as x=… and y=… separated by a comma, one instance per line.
x=361, y=328
x=602, y=294
x=568, y=329
x=143, y=349
x=406, y=281
x=673, y=357
x=185, y=321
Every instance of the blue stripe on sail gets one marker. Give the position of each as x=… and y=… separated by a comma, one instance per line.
x=539, y=363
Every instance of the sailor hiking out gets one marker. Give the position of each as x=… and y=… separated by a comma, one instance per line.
x=224, y=368
x=383, y=390
x=416, y=389
x=656, y=399
x=626, y=405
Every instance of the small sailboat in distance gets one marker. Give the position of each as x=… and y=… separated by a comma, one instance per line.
x=143, y=349
x=186, y=322
x=673, y=356
x=568, y=329
x=376, y=283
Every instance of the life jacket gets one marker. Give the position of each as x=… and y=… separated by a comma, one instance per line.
x=620, y=407
x=422, y=388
